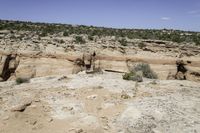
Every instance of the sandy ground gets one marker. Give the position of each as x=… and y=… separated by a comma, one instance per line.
x=100, y=103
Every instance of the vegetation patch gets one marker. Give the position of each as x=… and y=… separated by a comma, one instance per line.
x=146, y=70
x=91, y=38
x=79, y=40
x=133, y=76
x=123, y=42
x=141, y=45
x=65, y=33
x=151, y=34
x=138, y=71
x=22, y=80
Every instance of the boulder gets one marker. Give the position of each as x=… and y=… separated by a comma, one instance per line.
x=26, y=72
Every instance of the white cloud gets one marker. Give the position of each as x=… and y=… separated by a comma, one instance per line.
x=166, y=18
x=194, y=12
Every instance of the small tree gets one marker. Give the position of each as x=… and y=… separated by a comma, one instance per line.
x=62, y=41
x=80, y=40
x=65, y=33
x=123, y=42
x=141, y=45
x=43, y=34
x=91, y=38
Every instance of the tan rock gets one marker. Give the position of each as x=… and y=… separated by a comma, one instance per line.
x=21, y=107
x=193, y=76
x=171, y=76
x=180, y=76
x=38, y=67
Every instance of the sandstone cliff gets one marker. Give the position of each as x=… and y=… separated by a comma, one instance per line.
x=48, y=56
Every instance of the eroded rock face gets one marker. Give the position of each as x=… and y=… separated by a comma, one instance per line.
x=171, y=76
x=39, y=67
x=88, y=62
x=14, y=66
x=183, y=73
x=193, y=76
x=46, y=56
x=180, y=76
x=8, y=65
x=181, y=70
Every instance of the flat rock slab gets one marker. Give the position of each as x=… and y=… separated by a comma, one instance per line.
x=21, y=107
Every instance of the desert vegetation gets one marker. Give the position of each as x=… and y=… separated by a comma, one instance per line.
x=123, y=42
x=21, y=80
x=146, y=70
x=65, y=33
x=138, y=71
x=133, y=76
x=43, y=29
x=79, y=40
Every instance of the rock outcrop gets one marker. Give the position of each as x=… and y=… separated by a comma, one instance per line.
x=8, y=65
x=57, y=54
x=99, y=103
x=183, y=73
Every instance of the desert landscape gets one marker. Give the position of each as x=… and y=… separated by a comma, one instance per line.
x=58, y=78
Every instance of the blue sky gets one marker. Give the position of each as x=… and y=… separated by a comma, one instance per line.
x=159, y=14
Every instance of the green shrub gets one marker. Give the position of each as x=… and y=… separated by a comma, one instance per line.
x=123, y=42
x=22, y=80
x=133, y=76
x=141, y=45
x=80, y=40
x=12, y=32
x=152, y=34
x=91, y=38
x=65, y=33
x=147, y=72
x=43, y=34
x=13, y=37
x=62, y=41
x=127, y=76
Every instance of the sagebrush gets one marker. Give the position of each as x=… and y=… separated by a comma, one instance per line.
x=22, y=80
x=146, y=70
